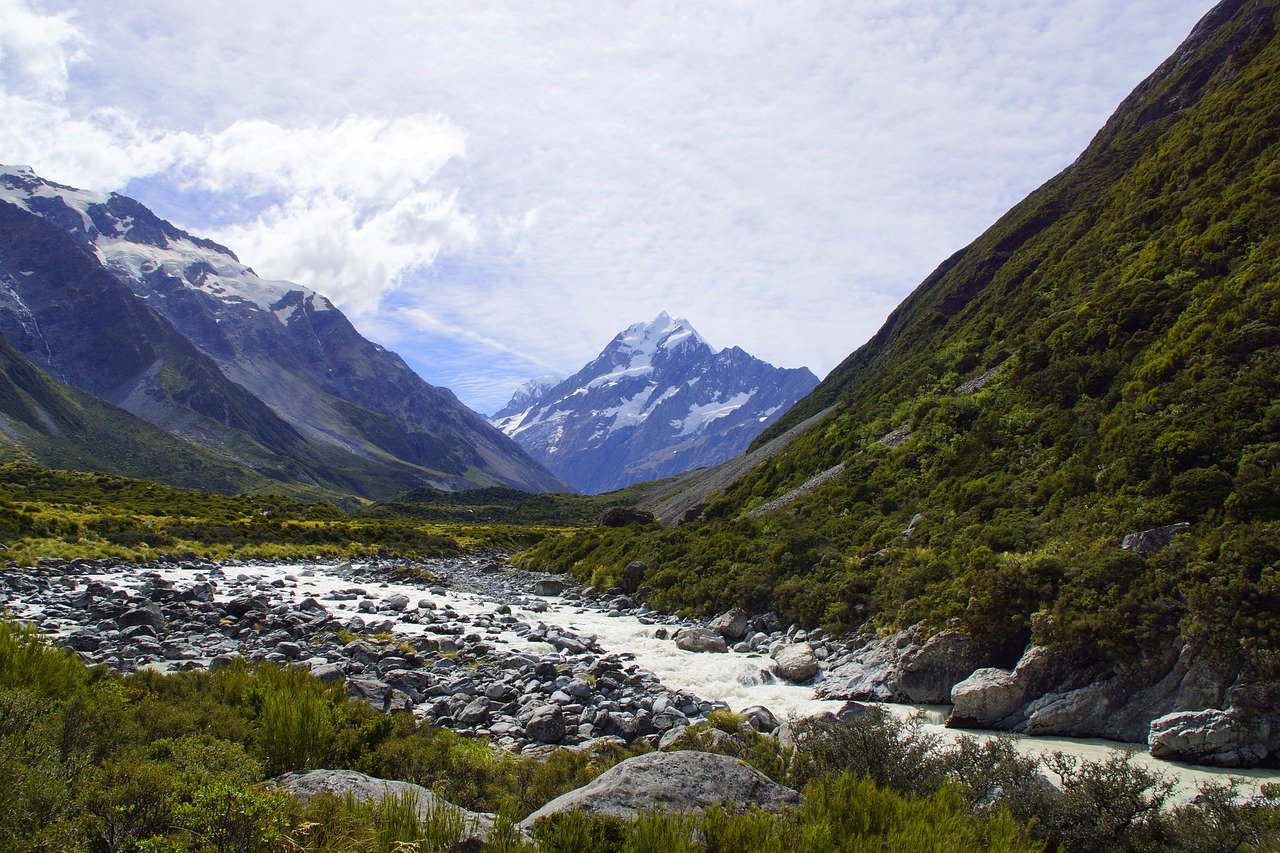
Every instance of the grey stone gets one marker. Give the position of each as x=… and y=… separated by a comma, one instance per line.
x=699, y=640
x=1211, y=736
x=341, y=783
x=682, y=781
x=731, y=624
x=546, y=724
x=396, y=602
x=633, y=575
x=548, y=586
x=796, y=663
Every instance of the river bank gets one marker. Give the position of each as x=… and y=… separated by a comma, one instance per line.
x=526, y=660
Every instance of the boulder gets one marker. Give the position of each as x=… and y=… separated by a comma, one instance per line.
x=683, y=781
x=341, y=783
x=731, y=624
x=1150, y=541
x=396, y=602
x=378, y=694
x=548, y=586
x=546, y=725
x=699, y=640
x=990, y=695
x=633, y=575
x=796, y=663
x=928, y=672
x=1218, y=738
x=625, y=516
x=148, y=616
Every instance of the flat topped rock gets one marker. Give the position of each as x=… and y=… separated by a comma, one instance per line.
x=340, y=783
x=682, y=781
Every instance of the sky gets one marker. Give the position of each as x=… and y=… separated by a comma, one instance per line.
x=494, y=190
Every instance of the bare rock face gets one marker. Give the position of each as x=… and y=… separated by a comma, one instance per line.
x=929, y=671
x=731, y=624
x=1221, y=738
x=683, y=781
x=699, y=640
x=340, y=783
x=1150, y=541
x=796, y=663
x=905, y=667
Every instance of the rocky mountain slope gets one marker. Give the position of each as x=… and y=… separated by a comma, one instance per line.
x=1104, y=360
x=103, y=295
x=657, y=401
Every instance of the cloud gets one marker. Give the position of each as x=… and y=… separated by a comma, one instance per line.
x=535, y=177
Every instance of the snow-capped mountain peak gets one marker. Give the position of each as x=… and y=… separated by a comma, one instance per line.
x=148, y=251
x=657, y=401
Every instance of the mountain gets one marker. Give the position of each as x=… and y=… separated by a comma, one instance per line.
x=1105, y=359
x=103, y=295
x=657, y=401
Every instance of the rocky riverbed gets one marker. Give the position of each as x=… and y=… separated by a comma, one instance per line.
x=532, y=660
x=457, y=641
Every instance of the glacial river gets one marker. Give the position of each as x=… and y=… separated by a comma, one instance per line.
x=713, y=677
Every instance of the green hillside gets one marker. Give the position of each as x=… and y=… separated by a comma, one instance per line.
x=1125, y=319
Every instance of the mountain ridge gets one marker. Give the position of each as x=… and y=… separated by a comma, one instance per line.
x=657, y=401
x=173, y=328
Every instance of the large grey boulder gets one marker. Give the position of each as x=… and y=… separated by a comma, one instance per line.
x=340, y=783
x=548, y=586
x=1220, y=738
x=683, y=781
x=546, y=724
x=909, y=666
x=378, y=694
x=990, y=695
x=731, y=624
x=699, y=640
x=796, y=663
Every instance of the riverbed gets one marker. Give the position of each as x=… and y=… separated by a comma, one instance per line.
x=474, y=596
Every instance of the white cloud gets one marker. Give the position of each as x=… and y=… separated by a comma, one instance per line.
x=782, y=174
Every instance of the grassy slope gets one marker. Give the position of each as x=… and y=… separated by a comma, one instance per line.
x=1131, y=308
x=53, y=513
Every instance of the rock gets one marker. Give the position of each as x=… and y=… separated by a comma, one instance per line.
x=681, y=781
x=625, y=516
x=476, y=712
x=546, y=725
x=328, y=672
x=761, y=718
x=1150, y=541
x=796, y=663
x=633, y=575
x=928, y=672
x=731, y=624
x=750, y=675
x=397, y=602
x=699, y=640
x=1219, y=738
x=149, y=616
x=990, y=695
x=693, y=513
x=341, y=783
x=378, y=694
x=548, y=586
